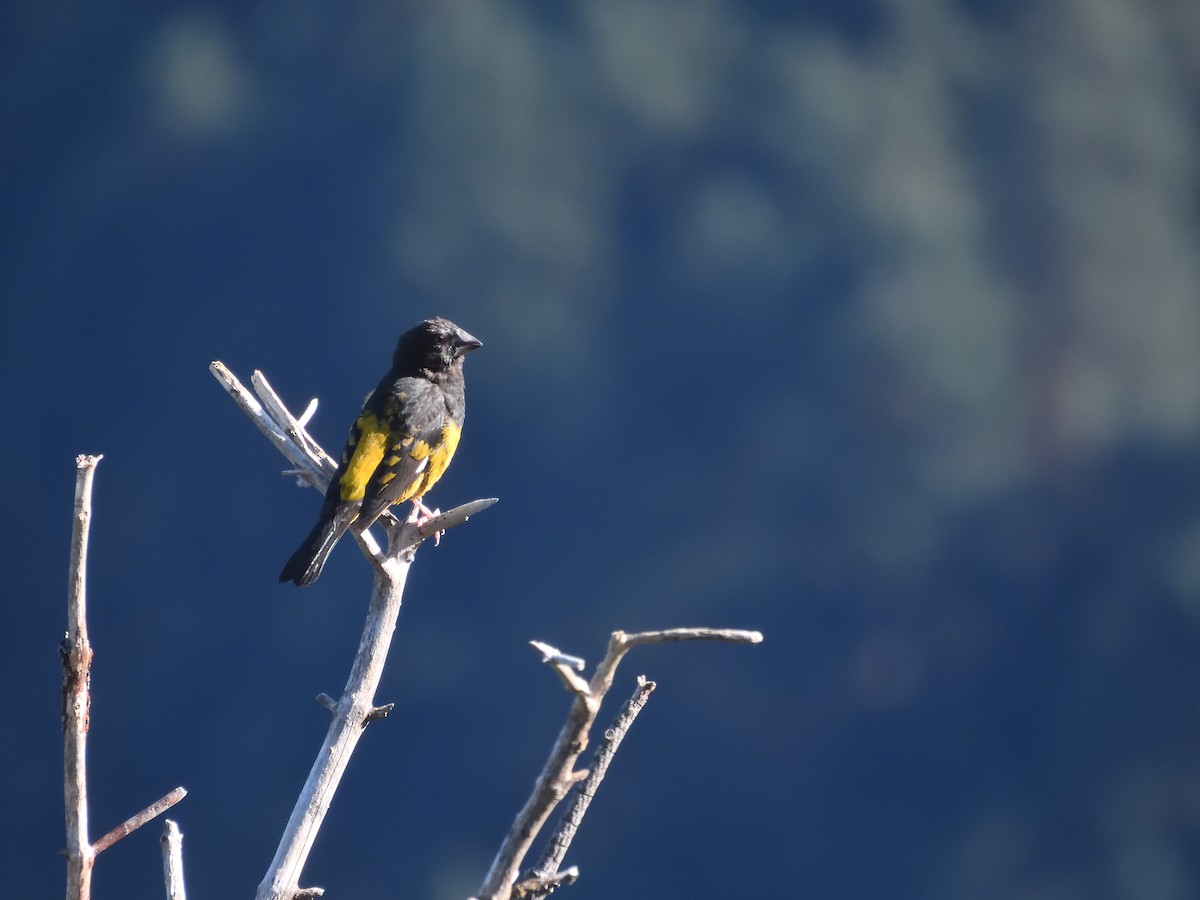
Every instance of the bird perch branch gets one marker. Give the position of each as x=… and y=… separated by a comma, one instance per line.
x=356, y=708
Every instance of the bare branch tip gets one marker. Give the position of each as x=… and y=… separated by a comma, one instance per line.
x=539, y=884
x=452, y=518
x=309, y=411
x=378, y=712
x=222, y=373
x=308, y=893
x=172, y=850
x=326, y=701
x=138, y=819
x=555, y=657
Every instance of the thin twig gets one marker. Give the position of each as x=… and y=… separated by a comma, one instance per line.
x=317, y=471
x=172, y=851
x=546, y=870
x=558, y=775
x=293, y=427
x=621, y=643
x=137, y=820
x=451, y=518
x=565, y=665
x=554, y=655
x=76, y=654
x=309, y=411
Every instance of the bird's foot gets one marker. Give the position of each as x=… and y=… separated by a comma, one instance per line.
x=422, y=514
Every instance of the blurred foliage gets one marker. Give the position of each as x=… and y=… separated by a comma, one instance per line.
x=873, y=325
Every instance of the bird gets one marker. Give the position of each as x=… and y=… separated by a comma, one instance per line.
x=400, y=444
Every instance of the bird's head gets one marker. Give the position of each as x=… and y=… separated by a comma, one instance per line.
x=435, y=345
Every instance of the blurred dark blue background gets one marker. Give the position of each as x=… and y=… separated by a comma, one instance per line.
x=871, y=325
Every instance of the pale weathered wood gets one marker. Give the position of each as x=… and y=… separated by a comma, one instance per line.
x=558, y=775
x=356, y=706
x=350, y=713
x=172, y=851
x=138, y=819
x=76, y=653
x=545, y=875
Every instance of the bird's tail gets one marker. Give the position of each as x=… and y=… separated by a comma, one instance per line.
x=306, y=563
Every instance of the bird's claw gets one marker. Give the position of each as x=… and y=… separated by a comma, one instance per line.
x=422, y=514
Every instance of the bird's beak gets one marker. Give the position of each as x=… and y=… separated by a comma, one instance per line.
x=466, y=343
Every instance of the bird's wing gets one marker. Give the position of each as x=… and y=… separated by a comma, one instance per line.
x=414, y=424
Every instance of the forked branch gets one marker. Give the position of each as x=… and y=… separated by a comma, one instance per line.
x=356, y=708
x=559, y=776
x=76, y=654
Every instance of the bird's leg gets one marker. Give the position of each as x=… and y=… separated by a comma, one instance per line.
x=422, y=514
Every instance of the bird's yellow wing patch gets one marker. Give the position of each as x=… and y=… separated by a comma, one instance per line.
x=367, y=444
x=432, y=460
x=439, y=456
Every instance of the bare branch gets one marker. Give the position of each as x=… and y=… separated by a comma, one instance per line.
x=293, y=427
x=76, y=654
x=315, y=471
x=309, y=411
x=356, y=707
x=290, y=438
x=560, y=840
x=554, y=655
x=621, y=643
x=558, y=774
x=565, y=666
x=137, y=820
x=172, y=850
x=379, y=712
x=451, y=518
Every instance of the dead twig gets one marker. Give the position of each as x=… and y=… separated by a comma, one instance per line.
x=76, y=653
x=558, y=775
x=545, y=873
x=172, y=850
x=137, y=820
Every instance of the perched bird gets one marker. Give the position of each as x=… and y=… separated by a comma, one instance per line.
x=399, y=445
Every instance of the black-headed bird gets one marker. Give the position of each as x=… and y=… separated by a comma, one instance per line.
x=400, y=444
